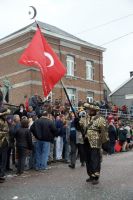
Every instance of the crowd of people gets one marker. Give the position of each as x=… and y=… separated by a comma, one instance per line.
x=37, y=134
x=120, y=135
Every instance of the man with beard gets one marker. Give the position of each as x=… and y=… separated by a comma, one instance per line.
x=94, y=127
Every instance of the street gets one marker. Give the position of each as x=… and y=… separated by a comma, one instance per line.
x=63, y=183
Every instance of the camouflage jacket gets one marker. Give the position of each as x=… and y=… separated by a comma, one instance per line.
x=95, y=129
x=4, y=133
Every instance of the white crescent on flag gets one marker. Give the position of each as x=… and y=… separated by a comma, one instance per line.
x=48, y=55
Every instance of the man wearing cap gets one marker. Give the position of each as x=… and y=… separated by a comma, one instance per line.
x=4, y=131
x=94, y=127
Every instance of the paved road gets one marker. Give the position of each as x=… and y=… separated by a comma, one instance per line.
x=62, y=183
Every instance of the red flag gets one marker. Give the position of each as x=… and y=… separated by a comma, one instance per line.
x=27, y=104
x=40, y=54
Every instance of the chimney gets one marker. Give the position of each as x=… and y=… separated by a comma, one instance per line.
x=131, y=73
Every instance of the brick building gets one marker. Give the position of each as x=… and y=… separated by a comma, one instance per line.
x=84, y=62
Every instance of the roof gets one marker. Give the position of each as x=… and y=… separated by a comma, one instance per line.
x=51, y=30
x=105, y=85
x=121, y=86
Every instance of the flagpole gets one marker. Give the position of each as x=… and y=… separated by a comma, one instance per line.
x=76, y=116
x=34, y=15
x=65, y=89
x=37, y=24
x=68, y=98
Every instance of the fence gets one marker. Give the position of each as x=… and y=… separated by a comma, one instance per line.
x=118, y=114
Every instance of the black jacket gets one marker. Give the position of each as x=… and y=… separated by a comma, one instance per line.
x=21, y=114
x=112, y=133
x=44, y=129
x=23, y=138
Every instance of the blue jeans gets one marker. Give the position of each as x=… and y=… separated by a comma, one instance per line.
x=41, y=155
x=66, y=151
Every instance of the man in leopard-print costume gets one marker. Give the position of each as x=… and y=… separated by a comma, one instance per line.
x=4, y=135
x=94, y=127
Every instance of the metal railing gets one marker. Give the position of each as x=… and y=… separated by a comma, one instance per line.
x=118, y=114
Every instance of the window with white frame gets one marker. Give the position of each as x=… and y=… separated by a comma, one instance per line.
x=90, y=97
x=89, y=70
x=72, y=94
x=70, y=65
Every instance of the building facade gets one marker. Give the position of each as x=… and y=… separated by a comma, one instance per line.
x=84, y=63
x=123, y=95
x=106, y=93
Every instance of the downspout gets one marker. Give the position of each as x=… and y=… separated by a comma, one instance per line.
x=60, y=56
x=100, y=76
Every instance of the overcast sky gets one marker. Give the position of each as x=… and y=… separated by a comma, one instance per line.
x=82, y=18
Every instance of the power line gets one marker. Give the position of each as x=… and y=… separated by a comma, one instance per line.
x=104, y=24
x=117, y=38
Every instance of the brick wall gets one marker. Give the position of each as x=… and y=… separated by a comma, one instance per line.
x=10, y=53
